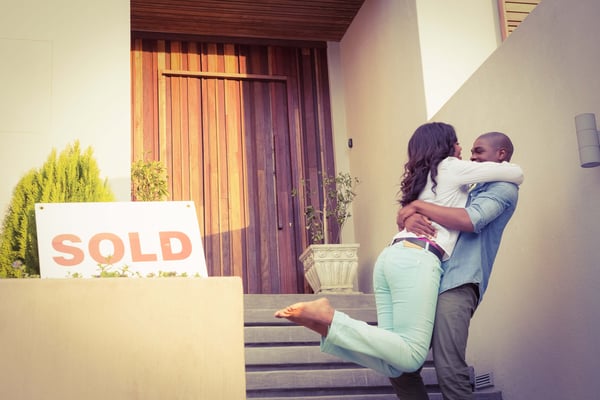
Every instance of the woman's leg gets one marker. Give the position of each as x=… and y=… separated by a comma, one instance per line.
x=410, y=386
x=383, y=293
x=413, y=276
x=406, y=283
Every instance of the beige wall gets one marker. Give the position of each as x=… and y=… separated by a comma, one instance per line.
x=396, y=64
x=122, y=339
x=536, y=331
x=384, y=102
x=340, y=128
x=455, y=38
x=538, y=326
x=64, y=74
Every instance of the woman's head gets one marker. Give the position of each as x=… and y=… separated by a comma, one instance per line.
x=429, y=144
x=432, y=141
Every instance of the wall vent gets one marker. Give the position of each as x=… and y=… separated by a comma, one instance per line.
x=484, y=380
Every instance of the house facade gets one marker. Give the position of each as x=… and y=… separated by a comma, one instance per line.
x=66, y=75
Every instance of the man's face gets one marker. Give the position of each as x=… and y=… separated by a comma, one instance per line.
x=483, y=150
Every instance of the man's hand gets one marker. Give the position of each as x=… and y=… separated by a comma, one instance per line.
x=420, y=225
x=404, y=213
x=451, y=217
x=409, y=218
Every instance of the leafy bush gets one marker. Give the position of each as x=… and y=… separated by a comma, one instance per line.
x=149, y=181
x=73, y=176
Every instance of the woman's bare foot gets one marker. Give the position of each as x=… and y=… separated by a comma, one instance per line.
x=316, y=315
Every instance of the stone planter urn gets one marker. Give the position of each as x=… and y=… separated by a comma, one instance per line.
x=331, y=268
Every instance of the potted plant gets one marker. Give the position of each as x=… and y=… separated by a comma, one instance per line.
x=329, y=267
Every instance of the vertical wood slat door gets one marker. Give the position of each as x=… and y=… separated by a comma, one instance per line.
x=233, y=142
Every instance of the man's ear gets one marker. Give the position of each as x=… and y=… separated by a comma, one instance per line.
x=502, y=154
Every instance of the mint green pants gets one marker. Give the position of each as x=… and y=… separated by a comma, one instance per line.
x=406, y=282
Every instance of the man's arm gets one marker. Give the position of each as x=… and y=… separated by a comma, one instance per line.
x=451, y=217
x=485, y=207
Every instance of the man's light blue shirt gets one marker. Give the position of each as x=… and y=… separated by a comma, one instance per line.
x=490, y=206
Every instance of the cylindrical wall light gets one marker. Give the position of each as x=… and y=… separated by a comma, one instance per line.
x=588, y=140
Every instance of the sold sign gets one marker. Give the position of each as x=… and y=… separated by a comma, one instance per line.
x=146, y=237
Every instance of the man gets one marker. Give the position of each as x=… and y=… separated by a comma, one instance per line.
x=466, y=273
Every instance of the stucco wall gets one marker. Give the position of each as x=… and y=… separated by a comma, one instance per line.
x=538, y=325
x=64, y=74
x=122, y=338
x=384, y=102
x=455, y=38
x=397, y=60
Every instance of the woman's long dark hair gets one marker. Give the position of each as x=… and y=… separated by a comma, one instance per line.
x=430, y=144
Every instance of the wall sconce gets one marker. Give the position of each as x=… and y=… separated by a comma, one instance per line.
x=588, y=139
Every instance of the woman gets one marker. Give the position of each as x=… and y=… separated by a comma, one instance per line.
x=407, y=273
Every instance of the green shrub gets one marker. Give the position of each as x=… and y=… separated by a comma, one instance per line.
x=149, y=181
x=71, y=177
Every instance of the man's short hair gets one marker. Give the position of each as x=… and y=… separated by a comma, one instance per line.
x=500, y=141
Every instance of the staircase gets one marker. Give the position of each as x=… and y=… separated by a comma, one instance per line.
x=283, y=361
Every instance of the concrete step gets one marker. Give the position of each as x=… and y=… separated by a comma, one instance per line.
x=375, y=396
x=283, y=360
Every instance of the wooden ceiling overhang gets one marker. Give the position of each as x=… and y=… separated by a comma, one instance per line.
x=296, y=20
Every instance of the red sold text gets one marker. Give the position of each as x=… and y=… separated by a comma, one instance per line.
x=71, y=246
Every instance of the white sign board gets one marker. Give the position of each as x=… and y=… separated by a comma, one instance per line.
x=143, y=238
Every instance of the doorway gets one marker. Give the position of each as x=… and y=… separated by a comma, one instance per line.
x=238, y=128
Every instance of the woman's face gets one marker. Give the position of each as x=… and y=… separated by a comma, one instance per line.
x=457, y=150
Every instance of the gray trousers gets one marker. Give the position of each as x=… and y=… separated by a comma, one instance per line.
x=455, y=307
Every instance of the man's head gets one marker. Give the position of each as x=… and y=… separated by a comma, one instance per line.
x=492, y=146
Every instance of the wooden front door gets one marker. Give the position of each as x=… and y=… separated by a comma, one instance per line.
x=229, y=122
